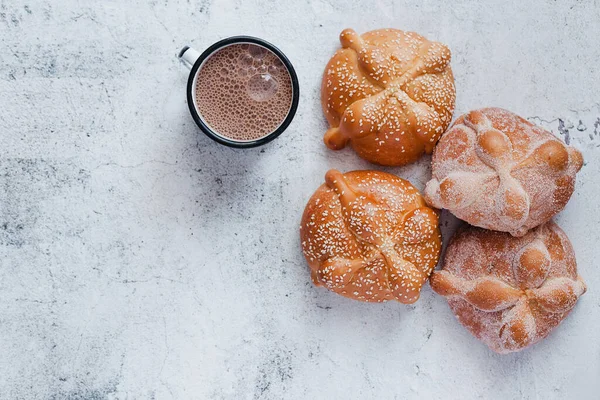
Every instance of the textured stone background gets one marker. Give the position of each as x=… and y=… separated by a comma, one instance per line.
x=140, y=260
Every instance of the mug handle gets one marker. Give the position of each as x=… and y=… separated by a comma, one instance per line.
x=188, y=56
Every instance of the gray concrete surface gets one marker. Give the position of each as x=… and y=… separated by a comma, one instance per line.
x=140, y=260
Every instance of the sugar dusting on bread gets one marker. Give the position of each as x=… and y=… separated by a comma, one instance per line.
x=498, y=171
x=502, y=302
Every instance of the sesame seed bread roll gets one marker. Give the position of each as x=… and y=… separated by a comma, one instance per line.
x=369, y=236
x=389, y=94
x=509, y=292
x=498, y=171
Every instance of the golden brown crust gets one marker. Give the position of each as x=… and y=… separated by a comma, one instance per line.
x=388, y=93
x=369, y=236
x=496, y=170
x=509, y=292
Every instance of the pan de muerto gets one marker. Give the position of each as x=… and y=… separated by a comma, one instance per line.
x=509, y=292
x=495, y=170
x=389, y=94
x=369, y=236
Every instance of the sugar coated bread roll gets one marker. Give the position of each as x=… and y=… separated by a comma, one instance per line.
x=509, y=292
x=496, y=170
x=369, y=236
x=389, y=94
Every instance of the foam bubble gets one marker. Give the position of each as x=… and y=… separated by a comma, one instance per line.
x=245, y=59
x=257, y=52
x=261, y=87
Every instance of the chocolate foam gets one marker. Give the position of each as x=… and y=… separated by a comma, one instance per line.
x=243, y=92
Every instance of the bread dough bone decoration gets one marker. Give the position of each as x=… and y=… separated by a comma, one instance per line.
x=496, y=170
x=389, y=94
x=531, y=288
x=369, y=236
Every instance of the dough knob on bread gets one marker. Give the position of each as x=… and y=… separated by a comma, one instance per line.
x=553, y=154
x=334, y=139
x=486, y=293
x=558, y=295
x=494, y=147
x=371, y=59
x=358, y=210
x=532, y=264
x=518, y=328
x=336, y=181
x=456, y=190
x=551, y=157
x=575, y=158
x=349, y=39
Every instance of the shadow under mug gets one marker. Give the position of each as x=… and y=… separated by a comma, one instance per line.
x=194, y=61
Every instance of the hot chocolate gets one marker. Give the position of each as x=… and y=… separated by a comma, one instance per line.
x=243, y=92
